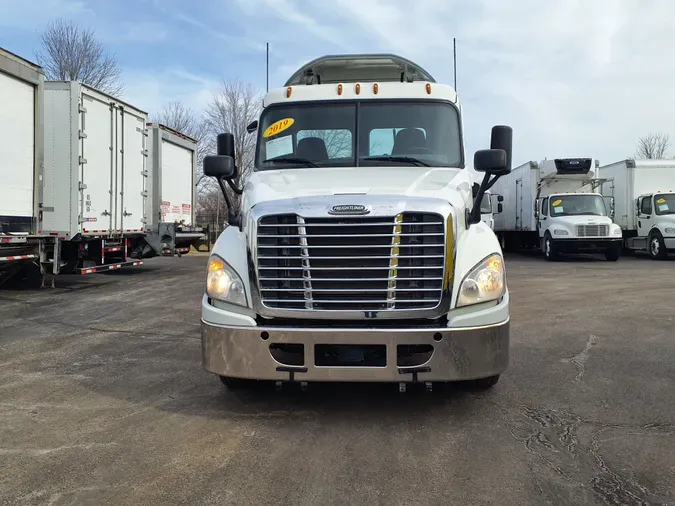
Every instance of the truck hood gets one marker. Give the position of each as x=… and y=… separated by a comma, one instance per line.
x=404, y=181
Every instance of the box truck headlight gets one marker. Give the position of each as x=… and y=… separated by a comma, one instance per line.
x=559, y=231
x=616, y=230
x=670, y=231
x=223, y=283
x=484, y=283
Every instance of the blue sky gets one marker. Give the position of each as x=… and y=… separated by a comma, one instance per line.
x=573, y=78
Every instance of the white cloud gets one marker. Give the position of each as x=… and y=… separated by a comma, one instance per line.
x=150, y=90
x=574, y=78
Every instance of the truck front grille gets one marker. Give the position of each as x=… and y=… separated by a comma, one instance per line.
x=592, y=230
x=351, y=264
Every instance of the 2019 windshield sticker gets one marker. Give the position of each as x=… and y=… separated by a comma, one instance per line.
x=278, y=127
x=557, y=203
x=661, y=201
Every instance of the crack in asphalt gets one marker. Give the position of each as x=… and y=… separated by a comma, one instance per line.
x=579, y=360
x=555, y=442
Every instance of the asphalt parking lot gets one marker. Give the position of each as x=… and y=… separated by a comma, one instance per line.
x=103, y=401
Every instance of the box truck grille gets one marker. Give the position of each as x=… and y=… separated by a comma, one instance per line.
x=346, y=264
x=592, y=230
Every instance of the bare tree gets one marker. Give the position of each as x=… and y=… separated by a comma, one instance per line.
x=185, y=120
x=653, y=146
x=232, y=108
x=68, y=52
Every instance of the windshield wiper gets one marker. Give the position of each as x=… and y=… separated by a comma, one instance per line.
x=304, y=161
x=409, y=159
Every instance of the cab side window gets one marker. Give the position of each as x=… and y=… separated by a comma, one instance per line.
x=646, y=205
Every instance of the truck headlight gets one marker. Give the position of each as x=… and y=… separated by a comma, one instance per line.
x=485, y=282
x=223, y=283
x=670, y=230
x=559, y=231
x=616, y=230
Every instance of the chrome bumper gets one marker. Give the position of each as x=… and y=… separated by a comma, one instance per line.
x=458, y=354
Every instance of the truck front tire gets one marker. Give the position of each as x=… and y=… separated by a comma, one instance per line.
x=485, y=383
x=550, y=252
x=613, y=253
x=657, y=247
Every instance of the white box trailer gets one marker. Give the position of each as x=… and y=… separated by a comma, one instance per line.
x=21, y=131
x=172, y=191
x=554, y=205
x=644, y=195
x=94, y=182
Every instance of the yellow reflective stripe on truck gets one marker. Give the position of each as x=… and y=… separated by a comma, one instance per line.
x=393, y=262
x=449, y=253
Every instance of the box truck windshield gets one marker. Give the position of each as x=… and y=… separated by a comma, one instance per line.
x=353, y=133
x=575, y=205
x=665, y=203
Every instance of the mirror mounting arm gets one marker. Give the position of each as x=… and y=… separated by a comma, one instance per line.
x=473, y=217
x=232, y=217
x=235, y=188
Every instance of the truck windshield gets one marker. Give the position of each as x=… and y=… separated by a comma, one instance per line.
x=664, y=203
x=572, y=205
x=348, y=134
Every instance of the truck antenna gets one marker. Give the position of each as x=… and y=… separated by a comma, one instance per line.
x=454, y=60
x=267, y=69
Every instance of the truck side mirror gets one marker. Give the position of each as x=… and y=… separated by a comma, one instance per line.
x=536, y=208
x=500, y=208
x=219, y=166
x=500, y=198
x=612, y=210
x=495, y=162
x=252, y=127
x=490, y=161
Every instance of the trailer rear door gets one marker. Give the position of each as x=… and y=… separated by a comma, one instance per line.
x=131, y=170
x=177, y=184
x=17, y=139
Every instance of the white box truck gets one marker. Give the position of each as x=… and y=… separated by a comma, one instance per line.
x=644, y=195
x=554, y=205
x=358, y=253
x=171, y=191
x=21, y=108
x=94, y=182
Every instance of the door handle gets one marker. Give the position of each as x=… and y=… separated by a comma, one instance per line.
x=126, y=213
x=105, y=213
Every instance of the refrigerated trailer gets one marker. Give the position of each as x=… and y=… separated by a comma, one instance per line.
x=171, y=191
x=21, y=108
x=644, y=194
x=554, y=205
x=94, y=181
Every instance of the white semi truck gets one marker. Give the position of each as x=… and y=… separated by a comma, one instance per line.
x=554, y=205
x=644, y=194
x=358, y=253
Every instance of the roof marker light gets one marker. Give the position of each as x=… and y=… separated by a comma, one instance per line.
x=289, y=90
x=428, y=89
x=358, y=88
x=375, y=88
x=339, y=89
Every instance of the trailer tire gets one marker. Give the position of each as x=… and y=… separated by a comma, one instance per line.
x=657, y=247
x=549, y=248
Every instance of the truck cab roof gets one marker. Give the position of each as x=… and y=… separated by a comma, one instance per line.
x=360, y=76
x=352, y=68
